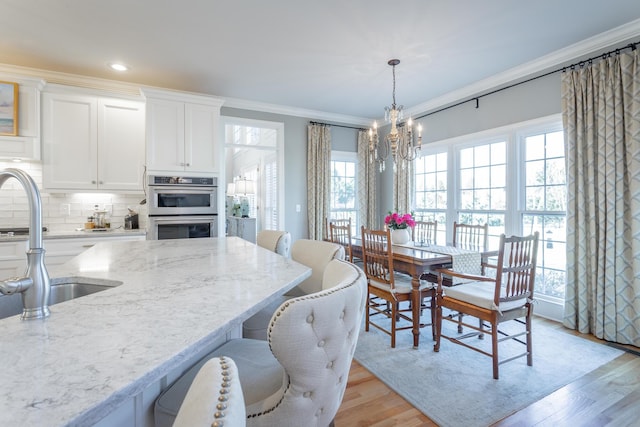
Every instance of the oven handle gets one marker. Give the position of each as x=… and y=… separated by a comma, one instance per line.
x=183, y=219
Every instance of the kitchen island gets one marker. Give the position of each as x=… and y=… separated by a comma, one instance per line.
x=108, y=354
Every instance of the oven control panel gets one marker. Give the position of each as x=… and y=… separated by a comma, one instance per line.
x=183, y=180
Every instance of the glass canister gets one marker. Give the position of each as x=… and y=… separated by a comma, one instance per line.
x=99, y=218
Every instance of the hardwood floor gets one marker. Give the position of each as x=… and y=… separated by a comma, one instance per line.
x=607, y=396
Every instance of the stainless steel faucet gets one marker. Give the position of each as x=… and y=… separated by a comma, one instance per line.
x=35, y=286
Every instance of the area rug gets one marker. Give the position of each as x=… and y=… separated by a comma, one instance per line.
x=455, y=387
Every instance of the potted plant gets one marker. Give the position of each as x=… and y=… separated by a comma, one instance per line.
x=399, y=225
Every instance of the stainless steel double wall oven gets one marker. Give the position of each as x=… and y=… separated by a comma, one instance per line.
x=182, y=207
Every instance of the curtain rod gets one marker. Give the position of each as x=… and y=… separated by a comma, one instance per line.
x=582, y=63
x=339, y=126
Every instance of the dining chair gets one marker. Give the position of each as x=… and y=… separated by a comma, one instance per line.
x=297, y=377
x=386, y=288
x=471, y=236
x=340, y=233
x=424, y=232
x=315, y=254
x=214, y=398
x=494, y=300
x=275, y=240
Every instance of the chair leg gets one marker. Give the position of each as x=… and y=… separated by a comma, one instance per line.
x=494, y=349
x=394, y=314
x=459, y=323
x=366, y=321
x=529, y=342
x=438, y=327
x=432, y=307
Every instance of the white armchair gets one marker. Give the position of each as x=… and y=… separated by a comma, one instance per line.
x=276, y=241
x=214, y=397
x=298, y=377
x=315, y=254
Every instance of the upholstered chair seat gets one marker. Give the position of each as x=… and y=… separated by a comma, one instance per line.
x=315, y=254
x=298, y=376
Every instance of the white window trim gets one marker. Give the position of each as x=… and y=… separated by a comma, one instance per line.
x=513, y=135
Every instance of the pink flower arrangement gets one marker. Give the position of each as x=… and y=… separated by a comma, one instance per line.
x=396, y=221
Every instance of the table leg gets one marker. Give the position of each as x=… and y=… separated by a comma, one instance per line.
x=416, y=306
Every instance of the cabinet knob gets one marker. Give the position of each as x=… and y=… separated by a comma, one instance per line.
x=93, y=182
x=188, y=164
x=101, y=182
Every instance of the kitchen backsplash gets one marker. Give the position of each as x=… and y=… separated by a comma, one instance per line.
x=62, y=211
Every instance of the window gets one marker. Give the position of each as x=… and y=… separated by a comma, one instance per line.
x=482, y=187
x=545, y=195
x=431, y=191
x=512, y=178
x=343, y=203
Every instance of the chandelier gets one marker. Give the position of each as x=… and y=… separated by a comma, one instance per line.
x=400, y=141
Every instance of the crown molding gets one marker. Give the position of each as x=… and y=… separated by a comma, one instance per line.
x=296, y=112
x=602, y=41
x=75, y=80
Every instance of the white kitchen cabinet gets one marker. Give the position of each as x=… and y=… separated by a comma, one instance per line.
x=182, y=132
x=59, y=251
x=92, y=143
x=26, y=145
x=13, y=258
x=242, y=227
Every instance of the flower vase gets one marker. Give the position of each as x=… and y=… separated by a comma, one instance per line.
x=400, y=236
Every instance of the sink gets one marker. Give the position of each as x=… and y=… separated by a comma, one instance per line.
x=62, y=290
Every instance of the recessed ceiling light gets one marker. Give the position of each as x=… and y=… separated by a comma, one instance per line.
x=118, y=66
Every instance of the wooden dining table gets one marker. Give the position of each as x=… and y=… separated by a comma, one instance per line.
x=415, y=260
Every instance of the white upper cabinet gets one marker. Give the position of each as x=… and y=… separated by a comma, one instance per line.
x=182, y=132
x=92, y=143
x=26, y=145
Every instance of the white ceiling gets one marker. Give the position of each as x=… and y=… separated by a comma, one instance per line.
x=325, y=56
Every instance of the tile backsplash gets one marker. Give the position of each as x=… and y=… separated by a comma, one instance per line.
x=62, y=211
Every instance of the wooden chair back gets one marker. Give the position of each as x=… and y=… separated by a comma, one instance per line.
x=340, y=233
x=470, y=236
x=424, y=232
x=377, y=257
x=516, y=269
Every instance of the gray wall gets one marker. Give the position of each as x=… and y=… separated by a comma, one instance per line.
x=528, y=101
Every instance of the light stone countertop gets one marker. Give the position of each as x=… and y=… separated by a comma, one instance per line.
x=96, y=352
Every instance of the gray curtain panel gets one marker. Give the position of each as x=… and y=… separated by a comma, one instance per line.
x=318, y=178
x=601, y=115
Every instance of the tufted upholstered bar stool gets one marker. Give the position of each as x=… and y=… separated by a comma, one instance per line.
x=214, y=398
x=315, y=254
x=276, y=241
x=299, y=375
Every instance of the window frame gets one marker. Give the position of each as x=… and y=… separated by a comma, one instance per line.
x=351, y=157
x=515, y=186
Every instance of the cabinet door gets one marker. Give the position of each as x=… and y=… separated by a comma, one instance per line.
x=200, y=137
x=121, y=151
x=165, y=135
x=69, y=138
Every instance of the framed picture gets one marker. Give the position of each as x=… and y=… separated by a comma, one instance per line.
x=8, y=108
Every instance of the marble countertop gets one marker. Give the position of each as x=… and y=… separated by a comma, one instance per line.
x=95, y=352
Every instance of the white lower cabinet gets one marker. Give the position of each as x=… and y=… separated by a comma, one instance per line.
x=13, y=258
x=242, y=227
